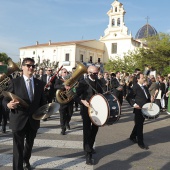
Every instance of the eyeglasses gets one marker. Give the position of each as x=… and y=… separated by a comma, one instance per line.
x=29, y=65
x=49, y=70
x=94, y=73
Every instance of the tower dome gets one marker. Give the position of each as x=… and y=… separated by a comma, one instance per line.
x=145, y=31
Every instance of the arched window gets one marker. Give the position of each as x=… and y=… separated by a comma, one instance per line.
x=116, y=9
x=118, y=22
x=113, y=22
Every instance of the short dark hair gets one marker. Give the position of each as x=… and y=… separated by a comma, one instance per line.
x=26, y=60
x=113, y=75
x=138, y=75
x=136, y=70
x=117, y=72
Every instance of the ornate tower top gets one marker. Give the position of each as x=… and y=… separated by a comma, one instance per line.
x=116, y=24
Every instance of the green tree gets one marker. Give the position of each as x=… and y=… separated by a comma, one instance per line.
x=4, y=58
x=155, y=53
x=125, y=64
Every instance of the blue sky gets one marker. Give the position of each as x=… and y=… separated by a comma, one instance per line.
x=23, y=22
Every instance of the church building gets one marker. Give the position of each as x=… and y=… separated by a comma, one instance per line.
x=116, y=41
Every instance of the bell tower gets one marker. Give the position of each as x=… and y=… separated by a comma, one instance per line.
x=116, y=27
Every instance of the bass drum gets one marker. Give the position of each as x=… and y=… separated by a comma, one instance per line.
x=104, y=109
x=150, y=111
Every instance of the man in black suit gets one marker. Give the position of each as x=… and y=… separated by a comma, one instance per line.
x=86, y=89
x=31, y=90
x=49, y=91
x=3, y=113
x=136, y=72
x=117, y=87
x=106, y=82
x=66, y=110
x=138, y=96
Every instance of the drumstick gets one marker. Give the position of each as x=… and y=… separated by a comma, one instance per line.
x=93, y=109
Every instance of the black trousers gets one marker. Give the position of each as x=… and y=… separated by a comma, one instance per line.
x=138, y=127
x=22, y=151
x=3, y=115
x=89, y=131
x=76, y=104
x=66, y=112
x=49, y=95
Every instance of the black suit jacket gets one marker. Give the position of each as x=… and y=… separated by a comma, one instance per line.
x=137, y=95
x=104, y=82
x=59, y=83
x=117, y=93
x=44, y=79
x=19, y=116
x=84, y=90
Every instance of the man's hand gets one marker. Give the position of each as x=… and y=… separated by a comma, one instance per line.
x=137, y=106
x=85, y=103
x=49, y=83
x=67, y=87
x=152, y=99
x=12, y=104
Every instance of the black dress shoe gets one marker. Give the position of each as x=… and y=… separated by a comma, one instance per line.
x=44, y=119
x=133, y=140
x=27, y=166
x=143, y=146
x=89, y=159
x=63, y=132
x=3, y=130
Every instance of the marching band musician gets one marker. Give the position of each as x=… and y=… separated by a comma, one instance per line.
x=40, y=73
x=49, y=91
x=106, y=82
x=3, y=113
x=86, y=89
x=118, y=88
x=31, y=90
x=138, y=96
x=66, y=110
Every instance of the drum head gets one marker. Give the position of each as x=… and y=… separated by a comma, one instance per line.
x=98, y=110
x=150, y=110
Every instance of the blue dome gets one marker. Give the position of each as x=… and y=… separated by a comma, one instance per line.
x=145, y=31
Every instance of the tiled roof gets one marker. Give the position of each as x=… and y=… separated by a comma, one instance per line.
x=57, y=43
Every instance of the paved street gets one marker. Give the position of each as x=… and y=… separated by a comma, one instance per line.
x=114, y=149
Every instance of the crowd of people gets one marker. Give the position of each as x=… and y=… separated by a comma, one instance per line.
x=36, y=89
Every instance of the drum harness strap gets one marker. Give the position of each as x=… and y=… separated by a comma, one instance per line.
x=92, y=87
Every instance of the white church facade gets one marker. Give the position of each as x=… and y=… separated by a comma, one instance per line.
x=116, y=41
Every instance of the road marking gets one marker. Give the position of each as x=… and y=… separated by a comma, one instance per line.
x=47, y=143
x=39, y=162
